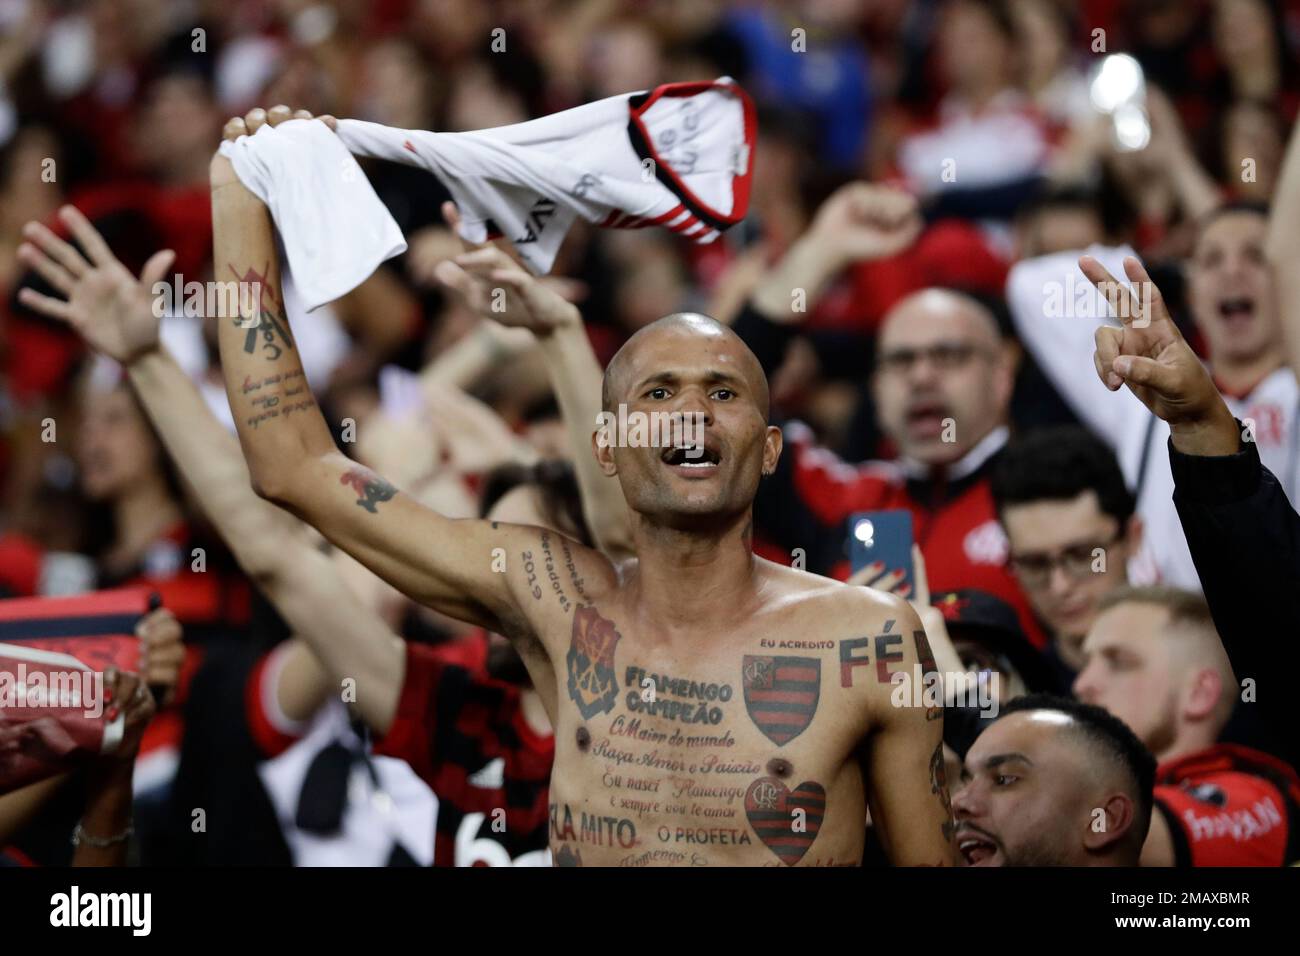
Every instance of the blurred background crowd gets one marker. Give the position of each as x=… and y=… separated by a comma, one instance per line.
x=986, y=112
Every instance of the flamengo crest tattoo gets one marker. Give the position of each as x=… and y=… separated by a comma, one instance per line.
x=771, y=808
x=781, y=694
x=590, y=662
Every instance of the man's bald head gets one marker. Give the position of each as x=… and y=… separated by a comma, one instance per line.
x=935, y=304
x=690, y=335
x=684, y=425
x=943, y=375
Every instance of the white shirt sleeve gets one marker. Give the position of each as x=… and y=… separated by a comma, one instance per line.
x=1056, y=312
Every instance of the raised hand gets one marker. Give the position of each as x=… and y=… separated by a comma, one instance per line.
x=861, y=221
x=476, y=437
x=255, y=119
x=1150, y=356
x=498, y=288
x=876, y=575
x=109, y=308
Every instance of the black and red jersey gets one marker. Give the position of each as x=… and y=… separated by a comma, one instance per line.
x=1229, y=805
x=464, y=734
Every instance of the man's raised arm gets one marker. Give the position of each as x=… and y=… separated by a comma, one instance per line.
x=291, y=455
x=112, y=312
x=1283, y=248
x=1243, y=533
x=479, y=276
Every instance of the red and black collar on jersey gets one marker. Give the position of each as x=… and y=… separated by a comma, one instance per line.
x=639, y=137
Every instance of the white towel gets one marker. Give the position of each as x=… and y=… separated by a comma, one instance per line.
x=679, y=156
x=334, y=229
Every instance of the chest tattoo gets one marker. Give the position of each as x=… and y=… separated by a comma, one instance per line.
x=593, y=685
x=781, y=694
x=785, y=820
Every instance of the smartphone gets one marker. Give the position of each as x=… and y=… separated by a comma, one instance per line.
x=884, y=536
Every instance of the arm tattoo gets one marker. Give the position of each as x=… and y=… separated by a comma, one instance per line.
x=575, y=578
x=939, y=785
x=929, y=669
x=593, y=685
x=275, y=396
x=370, y=488
x=270, y=326
x=553, y=574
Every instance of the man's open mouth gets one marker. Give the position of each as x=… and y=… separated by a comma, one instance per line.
x=1237, y=308
x=927, y=417
x=975, y=848
x=695, y=456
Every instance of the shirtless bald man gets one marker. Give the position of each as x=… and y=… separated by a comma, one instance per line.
x=710, y=707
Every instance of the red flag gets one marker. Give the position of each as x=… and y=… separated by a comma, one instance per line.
x=53, y=652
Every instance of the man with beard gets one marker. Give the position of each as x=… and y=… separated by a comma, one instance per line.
x=709, y=707
x=1053, y=782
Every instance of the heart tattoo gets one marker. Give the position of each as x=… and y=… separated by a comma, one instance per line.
x=785, y=820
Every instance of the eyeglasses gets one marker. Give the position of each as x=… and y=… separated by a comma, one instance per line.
x=1034, y=570
x=944, y=356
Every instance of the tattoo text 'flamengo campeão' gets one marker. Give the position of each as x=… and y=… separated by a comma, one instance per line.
x=675, y=698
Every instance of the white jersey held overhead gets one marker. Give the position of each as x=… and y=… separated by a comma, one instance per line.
x=679, y=156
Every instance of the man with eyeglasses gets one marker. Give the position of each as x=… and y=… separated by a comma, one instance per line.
x=1072, y=532
x=942, y=382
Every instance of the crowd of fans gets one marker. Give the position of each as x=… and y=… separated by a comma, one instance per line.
x=923, y=367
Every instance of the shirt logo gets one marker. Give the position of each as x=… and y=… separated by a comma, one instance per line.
x=542, y=210
x=986, y=544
